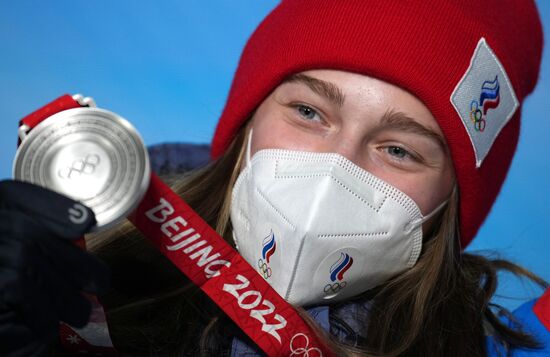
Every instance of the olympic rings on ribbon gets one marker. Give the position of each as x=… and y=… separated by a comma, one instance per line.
x=476, y=116
x=305, y=350
x=265, y=270
x=334, y=288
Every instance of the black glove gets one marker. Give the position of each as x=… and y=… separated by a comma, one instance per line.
x=42, y=272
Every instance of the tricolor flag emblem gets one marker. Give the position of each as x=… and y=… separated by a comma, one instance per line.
x=269, y=245
x=341, y=266
x=490, y=95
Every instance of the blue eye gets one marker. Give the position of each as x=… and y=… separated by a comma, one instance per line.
x=306, y=112
x=398, y=152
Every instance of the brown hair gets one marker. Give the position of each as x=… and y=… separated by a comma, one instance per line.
x=441, y=306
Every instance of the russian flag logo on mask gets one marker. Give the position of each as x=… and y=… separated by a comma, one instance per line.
x=342, y=265
x=269, y=245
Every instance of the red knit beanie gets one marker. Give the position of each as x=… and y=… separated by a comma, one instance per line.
x=471, y=62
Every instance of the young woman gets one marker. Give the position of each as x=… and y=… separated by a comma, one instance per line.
x=367, y=141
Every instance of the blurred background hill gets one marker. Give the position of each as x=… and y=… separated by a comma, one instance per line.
x=169, y=159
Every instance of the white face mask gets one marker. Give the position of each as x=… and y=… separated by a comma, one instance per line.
x=319, y=228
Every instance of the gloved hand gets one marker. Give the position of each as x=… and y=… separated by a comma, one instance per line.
x=42, y=272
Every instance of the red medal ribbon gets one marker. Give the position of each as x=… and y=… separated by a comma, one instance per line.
x=213, y=265
x=60, y=104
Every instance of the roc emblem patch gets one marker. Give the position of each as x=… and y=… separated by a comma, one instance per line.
x=484, y=99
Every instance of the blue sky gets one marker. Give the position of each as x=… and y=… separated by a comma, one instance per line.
x=167, y=68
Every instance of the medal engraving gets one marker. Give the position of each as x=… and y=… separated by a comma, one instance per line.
x=85, y=165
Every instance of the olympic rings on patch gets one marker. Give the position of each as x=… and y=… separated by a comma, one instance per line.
x=305, y=350
x=334, y=288
x=265, y=270
x=480, y=125
x=476, y=116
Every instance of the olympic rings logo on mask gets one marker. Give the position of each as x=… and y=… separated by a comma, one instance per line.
x=265, y=270
x=476, y=116
x=305, y=351
x=335, y=287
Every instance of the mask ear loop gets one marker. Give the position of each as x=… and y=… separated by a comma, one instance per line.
x=248, y=148
x=409, y=227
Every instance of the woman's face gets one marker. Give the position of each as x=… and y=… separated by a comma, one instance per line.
x=378, y=126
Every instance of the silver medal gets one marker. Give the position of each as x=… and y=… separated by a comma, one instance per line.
x=91, y=155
